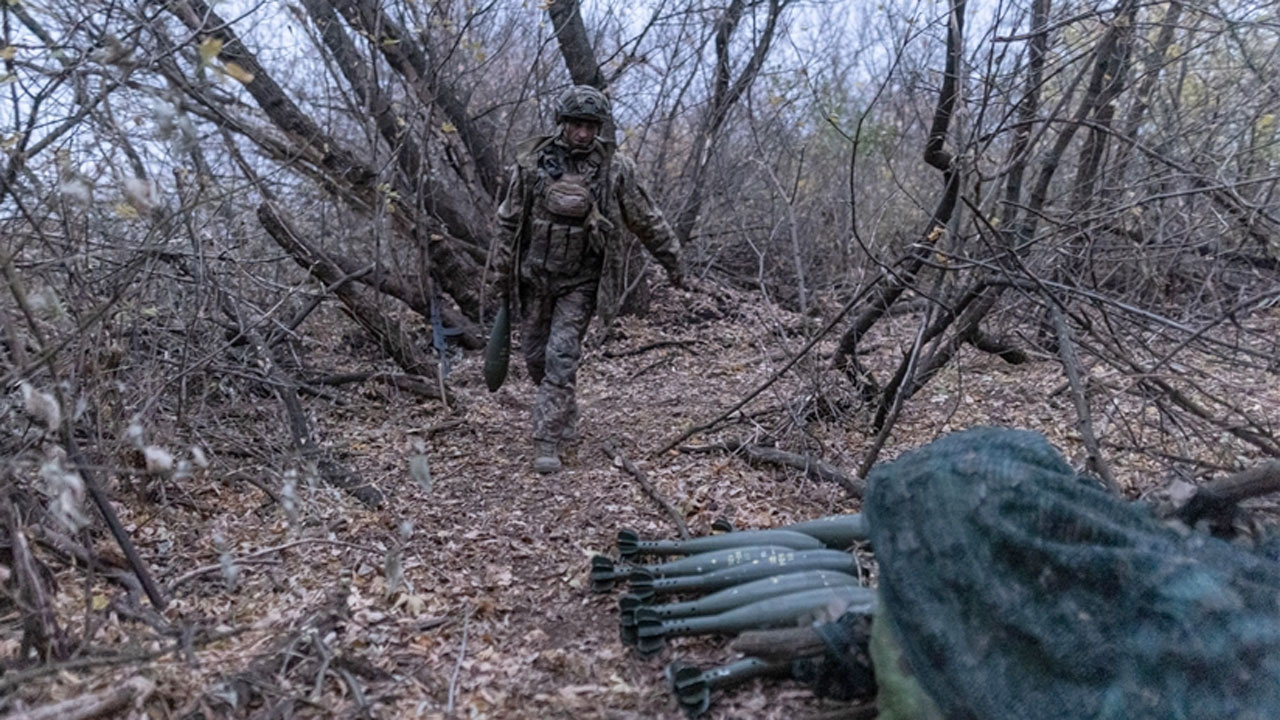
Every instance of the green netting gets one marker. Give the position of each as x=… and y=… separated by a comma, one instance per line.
x=1018, y=590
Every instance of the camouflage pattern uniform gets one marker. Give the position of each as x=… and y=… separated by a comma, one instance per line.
x=560, y=258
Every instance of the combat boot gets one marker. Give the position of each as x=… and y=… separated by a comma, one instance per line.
x=545, y=457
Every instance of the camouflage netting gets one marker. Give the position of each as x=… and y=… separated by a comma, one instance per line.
x=1017, y=589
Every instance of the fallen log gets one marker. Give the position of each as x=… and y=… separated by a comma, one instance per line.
x=1217, y=501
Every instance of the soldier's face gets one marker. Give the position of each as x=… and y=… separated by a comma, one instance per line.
x=580, y=133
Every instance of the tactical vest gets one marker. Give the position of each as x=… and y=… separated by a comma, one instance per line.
x=566, y=214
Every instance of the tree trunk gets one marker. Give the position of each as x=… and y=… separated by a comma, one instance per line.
x=726, y=93
x=936, y=155
x=388, y=332
x=448, y=228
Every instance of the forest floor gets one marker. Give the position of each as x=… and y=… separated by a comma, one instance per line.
x=494, y=617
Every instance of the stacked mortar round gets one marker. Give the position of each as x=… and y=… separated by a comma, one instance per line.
x=735, y=581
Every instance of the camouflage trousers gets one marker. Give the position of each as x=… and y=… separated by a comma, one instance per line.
x=552, y=329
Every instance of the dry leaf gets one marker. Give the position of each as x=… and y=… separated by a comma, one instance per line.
x=238, y=73
x=209, y=49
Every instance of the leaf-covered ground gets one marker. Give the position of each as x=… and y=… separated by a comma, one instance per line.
x=471, y=595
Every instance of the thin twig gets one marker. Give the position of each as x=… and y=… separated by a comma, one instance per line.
x=326, y=657
x=207, y=569
x=776, y=374
x=656, y=363
x=320, y=297
x=681, y=344
x=814, y=468
x=12, y=680
x=1095, y=463
x=73, y=553
x=437, y=428
x=457, y=666
x=416, y=384
x=250, y=558
x=249, y=478
x=614, y=454
x=895, y=405
x=362, y=705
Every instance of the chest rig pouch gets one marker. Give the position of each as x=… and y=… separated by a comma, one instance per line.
x=569, y=197
x=562, y=240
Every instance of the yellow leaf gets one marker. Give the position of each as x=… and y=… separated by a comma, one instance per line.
x=126, y=211
x=209, y=49
x=100, y=602
x=415, y=604
x=7, y=52
x=388, y=42
x=238, y=72
x=448, y=128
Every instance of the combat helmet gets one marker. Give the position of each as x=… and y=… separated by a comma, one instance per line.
x=583, y=102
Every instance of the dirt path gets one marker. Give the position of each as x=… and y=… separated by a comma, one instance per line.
x=513, y=547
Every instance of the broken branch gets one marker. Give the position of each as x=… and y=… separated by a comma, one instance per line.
x=813, y=468
x=614, y=454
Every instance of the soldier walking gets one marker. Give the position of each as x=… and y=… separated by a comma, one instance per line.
x=567, y=201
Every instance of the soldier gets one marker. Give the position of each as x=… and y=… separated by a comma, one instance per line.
x=567, y=201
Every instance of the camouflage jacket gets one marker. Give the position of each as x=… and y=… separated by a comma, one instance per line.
x=553, y=250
